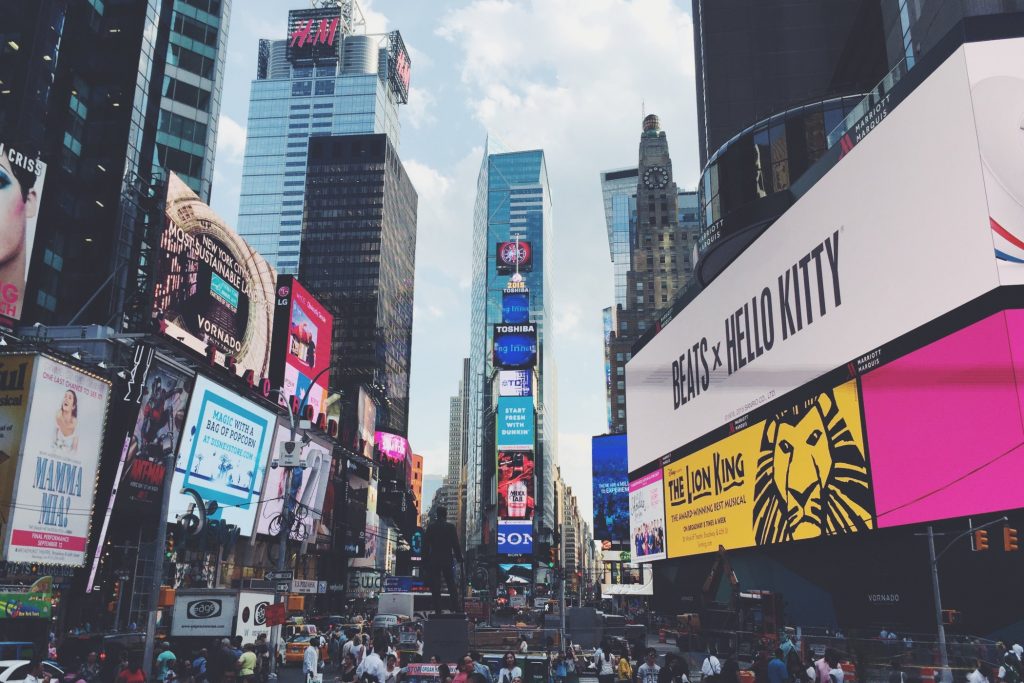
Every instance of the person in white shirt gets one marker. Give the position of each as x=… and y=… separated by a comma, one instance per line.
x=711, y=666
x=391, y=669
x=649, y=670
x=372, y=665
x=311, y=659
x=603, y=663
x=509, y=673
x=980, y=674
x=524, y=644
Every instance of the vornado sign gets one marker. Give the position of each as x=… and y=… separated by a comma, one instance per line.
x=894, y=236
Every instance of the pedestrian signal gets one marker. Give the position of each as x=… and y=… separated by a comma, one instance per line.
x=981, y=540
x=1009, y=539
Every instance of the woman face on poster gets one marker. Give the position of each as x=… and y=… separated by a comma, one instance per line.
x=17, y=205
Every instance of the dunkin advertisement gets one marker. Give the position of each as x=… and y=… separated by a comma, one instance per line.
x=515, y=484
x=302, y=344
x=213, y=292
x=21, y=194
x=56, y=475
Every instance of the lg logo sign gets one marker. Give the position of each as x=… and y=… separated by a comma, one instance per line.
x=515, y=538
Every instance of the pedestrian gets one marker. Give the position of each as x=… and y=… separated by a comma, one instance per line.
x=1009, y=669
x=730, y=670
x=624, y=670
x=36, y=672
x=666, y=673
x=372, y=668
x=648, y=671
x=479, y=666
x=311, y=660
x=777, y=670
x=185, y=675
x=711, y=668
x=603, y=663
x=524, y=644
x=980, y=674
x=247, y=664
x=132, y=673
x=165, y=661
x=90, y=671
x=262, y=656
x=348, y=668
x=200, y=667
x=824, y=666
x=391, y=669
x=509, y=672
x=444, y=673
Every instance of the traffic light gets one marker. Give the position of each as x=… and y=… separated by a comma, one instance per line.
x=981, y=539
x=169, y=547
x=553, y=554
x=1009, y=539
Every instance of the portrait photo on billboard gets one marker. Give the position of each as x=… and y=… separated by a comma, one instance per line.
x=515, y=346
x=515, y=484
x=21, y=194
x=57, y=471
x=223, y=454
x=163, y=401
x=367, y=424
x=513, y=256
x=302, y=344
x=212, y=288
x=611, y=489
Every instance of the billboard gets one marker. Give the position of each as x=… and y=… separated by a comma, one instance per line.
x=611, y=489
x=393, y=447
x=515, y=573
x=516, y=421
x=647, y=517
x=162, y=394
x=56, y=474
x=15, y=383
x=515, y=306
x=212, y=288
x=301, y=348
x=203, y=613
x=515, y=383
x=252, y=615
x=21, y=194
x=314, y=34
x=307, y=488
x=515, y=538
x=837, y=276
x=619, y=576
x=223, y=454
x=513, y=257
x=515, y=346
x=515, y=484
x=367, y=415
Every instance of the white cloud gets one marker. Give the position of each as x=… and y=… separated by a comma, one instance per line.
x=230, y=141
x=418, y=111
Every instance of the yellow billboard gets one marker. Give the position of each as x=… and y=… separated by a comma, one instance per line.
x=801, y=473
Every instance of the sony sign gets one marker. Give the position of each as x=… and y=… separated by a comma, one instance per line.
x=515, y=538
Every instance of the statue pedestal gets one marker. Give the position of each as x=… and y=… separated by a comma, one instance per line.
x=446, y=635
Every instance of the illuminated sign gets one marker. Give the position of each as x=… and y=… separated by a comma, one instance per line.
x=515, y=484
x=515, y=307
x=515, y=538
x=515, y=346
x=513, y=256
x=312, y=34
x=516, y=421
x=400, y=66
x=515, y=383
x=22, y=173
x=301, y=344
x=611, y=489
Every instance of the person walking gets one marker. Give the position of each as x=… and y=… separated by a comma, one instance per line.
x=247, y=664
x=132, y=673
x=200, y=667
x=311, y=660
x=624, y=670
x=263, y=657
x=165, y=661
x=509, y=672
x=441, y=550
x=372, y=666
x=648, y=671
x=777, y=671
x=711, y=668
x=603, y=663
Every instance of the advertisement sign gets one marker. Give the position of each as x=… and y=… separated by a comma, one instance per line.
x=515, y=538
x=56, y=475
x=21, y=183
x=801, y=474
x=515, y=307
x=363, y=584
x=611, y=489
x=516, y=421
x=162, y=396
x=367, y=412
x=400, y=66
x=252, y=615
x=302, y=344
x=223, y=454
x=212, y=288
x=518, y=573
x=837, y=276
x=512, y=257
x=314, y=34
x=620, y=577
x=647, y=517
x=205, y=613
x=515, y=346
x=305, y=488
x=405, y=584
x=393, y=447
x=15, y=378
x=36, y=602
x=515, y=484
x=515, y=383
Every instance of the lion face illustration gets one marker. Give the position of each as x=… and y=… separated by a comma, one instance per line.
x=812, y=477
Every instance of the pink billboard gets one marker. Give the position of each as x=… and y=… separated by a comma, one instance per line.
x=944, y=425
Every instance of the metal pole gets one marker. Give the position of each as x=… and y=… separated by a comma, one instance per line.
x=282, y=548
x=943, y=655
x=158, y=564
x=565, y=577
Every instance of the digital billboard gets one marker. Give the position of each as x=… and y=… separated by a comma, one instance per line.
x=400, y=66
x=161, y=393
x=620, y=576
x=515, y=573
x=515, y=383
x=223, y=454
x=515, y=346
x=212, y=288
x=797, y=302
x=301, y=348
x=516, y=420
x=515, y=306
x=647, y=517
x=515, y=484
x=56, y=474
x=21, y=190
x=314, y=34
x=367, y=416
x=306, y=492
x=611, y=489
x=515, y=538
x=16, y=371
x=513, y=257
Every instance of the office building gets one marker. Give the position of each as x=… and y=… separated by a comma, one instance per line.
x=454, y=482
x=86, y=87
x=359, y=258
x=509, y=331
x=328, y=77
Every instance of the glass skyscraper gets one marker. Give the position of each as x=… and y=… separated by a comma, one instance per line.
x=352, y=88
x=513, y=200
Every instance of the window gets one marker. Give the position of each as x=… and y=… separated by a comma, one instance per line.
x=621, y=372
x=190, y=61
x=190, y=28
x=186, y=94
x=302, y=88
x=325, y=87
x=618, y=357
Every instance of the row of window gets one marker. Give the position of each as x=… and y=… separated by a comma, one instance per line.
x=183, y=58
x=186, y=94
x=182, y=127
x=190, y=28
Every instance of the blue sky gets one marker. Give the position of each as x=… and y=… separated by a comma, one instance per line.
x=569, y=76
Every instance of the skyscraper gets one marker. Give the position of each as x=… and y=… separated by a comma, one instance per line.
x=652, y=228
x=454, y=481
x=359, y=257
x=510, y=313
x=328, y=77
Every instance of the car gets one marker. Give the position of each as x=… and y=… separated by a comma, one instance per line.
x=16, y=670
x=386, y=621
x=295, y=649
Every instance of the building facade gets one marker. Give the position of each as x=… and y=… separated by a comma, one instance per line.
x=327, y=78
x=417, y=486
x=454, y=486
x=512, y=239
x=360, y=260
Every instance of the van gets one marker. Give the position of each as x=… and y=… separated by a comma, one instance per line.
x=396, y=603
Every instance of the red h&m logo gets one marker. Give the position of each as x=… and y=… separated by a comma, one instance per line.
x=324, y=35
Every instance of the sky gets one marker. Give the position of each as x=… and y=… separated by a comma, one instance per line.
x=571, y=77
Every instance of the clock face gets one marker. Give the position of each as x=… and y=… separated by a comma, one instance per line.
x=656, y=177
